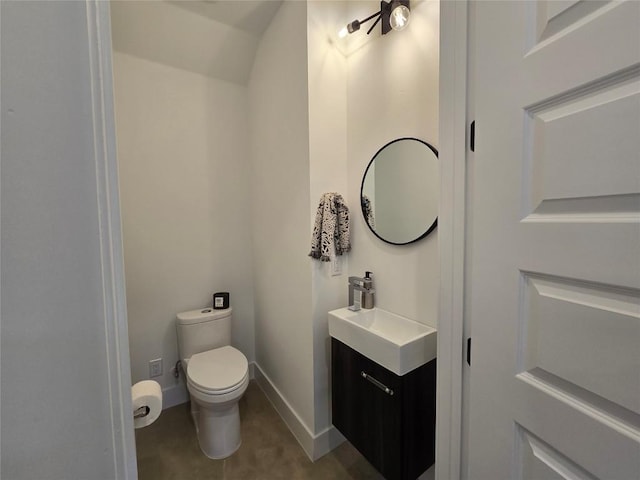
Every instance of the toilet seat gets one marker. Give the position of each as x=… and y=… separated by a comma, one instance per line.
x=218, y=372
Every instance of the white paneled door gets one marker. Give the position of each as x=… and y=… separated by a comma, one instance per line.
x=554, y=256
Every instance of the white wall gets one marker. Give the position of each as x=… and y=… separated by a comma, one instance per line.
x=327, y=89
x=279, y=118
x=183, y=158
x=352, y=112
x=393, y=92
x=65, y=413
x=309, y=109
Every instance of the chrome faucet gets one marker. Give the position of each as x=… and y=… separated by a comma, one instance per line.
x=366, y=292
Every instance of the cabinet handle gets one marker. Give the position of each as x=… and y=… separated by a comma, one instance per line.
x=377, y=383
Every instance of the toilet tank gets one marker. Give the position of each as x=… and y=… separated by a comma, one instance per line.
x=202, y=330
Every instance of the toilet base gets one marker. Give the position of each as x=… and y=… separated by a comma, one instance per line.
x=218, y=429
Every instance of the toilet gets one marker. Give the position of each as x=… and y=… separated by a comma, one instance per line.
x=217, y=377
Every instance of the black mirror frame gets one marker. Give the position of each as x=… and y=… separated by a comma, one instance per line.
x=430, y=229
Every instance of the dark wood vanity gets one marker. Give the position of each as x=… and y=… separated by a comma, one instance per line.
x=390, y=419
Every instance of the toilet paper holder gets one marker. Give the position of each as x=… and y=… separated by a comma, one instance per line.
x=141, y=412
x=146, y=399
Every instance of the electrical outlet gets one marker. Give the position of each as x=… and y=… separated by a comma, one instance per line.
x=155, y=368
x=336, y=266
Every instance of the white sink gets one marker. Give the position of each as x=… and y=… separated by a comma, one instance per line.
x=395, y=342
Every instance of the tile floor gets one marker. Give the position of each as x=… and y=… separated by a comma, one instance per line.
x=168, y=450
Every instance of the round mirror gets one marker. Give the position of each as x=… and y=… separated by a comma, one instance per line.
x=400, y=190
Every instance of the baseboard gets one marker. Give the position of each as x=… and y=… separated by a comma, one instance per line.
x=315, y=446
x=176, y=395
x=326, y=441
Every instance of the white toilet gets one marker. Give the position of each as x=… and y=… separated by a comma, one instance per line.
x=217, y=376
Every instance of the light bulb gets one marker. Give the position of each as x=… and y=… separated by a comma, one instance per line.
x=350, y=28
x=400, y=17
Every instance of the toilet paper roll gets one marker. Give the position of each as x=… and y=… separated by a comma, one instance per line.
x=146, y=394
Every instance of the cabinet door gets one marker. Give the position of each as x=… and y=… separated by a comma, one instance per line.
x=368, y=416
x=419, y=420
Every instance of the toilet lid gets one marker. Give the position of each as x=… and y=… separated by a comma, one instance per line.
x=218, y=369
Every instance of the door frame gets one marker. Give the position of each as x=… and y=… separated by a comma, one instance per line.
x=451, y=237
x=451, y=232
x=111, y=250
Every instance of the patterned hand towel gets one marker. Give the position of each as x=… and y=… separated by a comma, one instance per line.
x=367, y=210
x=331, y=228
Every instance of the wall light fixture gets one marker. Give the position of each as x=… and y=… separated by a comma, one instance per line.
x=394, y=14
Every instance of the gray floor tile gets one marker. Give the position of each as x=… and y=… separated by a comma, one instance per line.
x=168, y=450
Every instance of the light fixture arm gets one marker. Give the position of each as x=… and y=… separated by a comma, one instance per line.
x=355, y=25
x=376, y=22
x=370, y=17
x=386, y=10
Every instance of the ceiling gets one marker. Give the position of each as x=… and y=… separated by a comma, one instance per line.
x=217, y=38
x=251, y=16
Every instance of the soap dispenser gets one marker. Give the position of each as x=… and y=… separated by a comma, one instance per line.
x=368, y=294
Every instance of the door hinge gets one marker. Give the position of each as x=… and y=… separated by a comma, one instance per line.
x=469, y=351
x=472, y=136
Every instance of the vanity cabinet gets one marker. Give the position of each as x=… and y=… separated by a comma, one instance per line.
x=390, y=419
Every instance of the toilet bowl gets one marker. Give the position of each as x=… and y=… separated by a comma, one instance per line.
x=216, y=380
x=217, y=376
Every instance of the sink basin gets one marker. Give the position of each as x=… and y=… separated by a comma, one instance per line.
x=395, y=342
